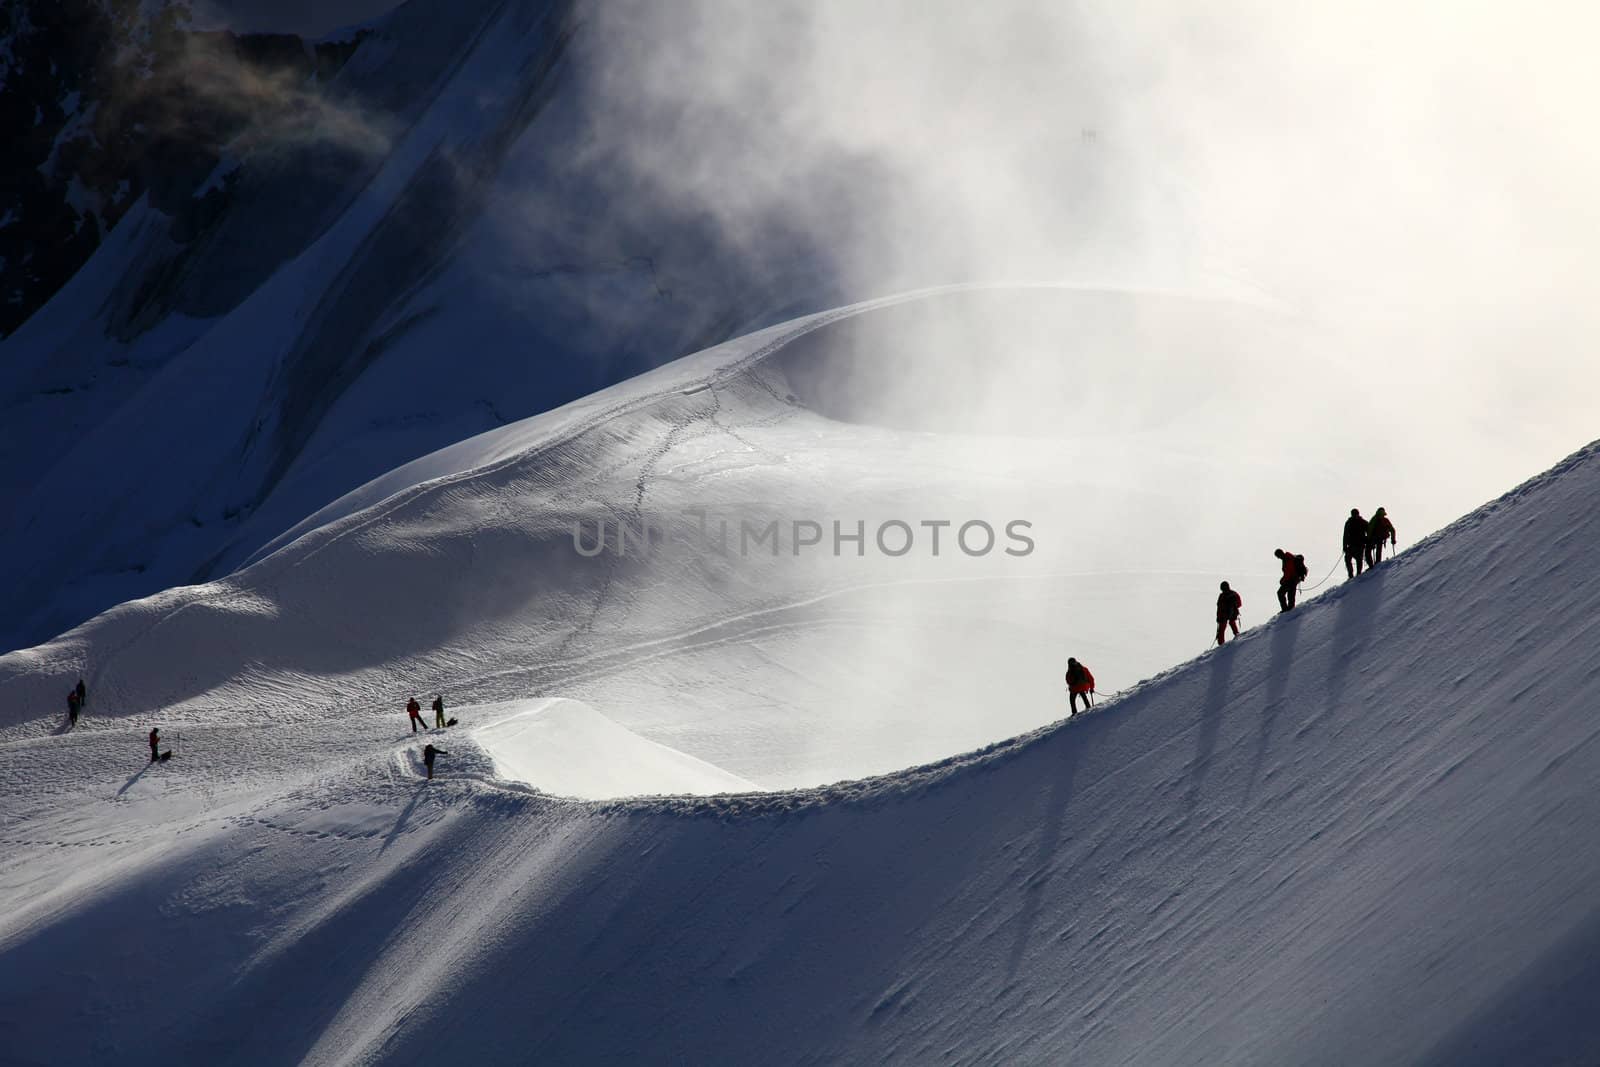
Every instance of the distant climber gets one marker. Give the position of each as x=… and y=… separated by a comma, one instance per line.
x=1379, y=530
x=1294, y=572
x=1228, y=605
x=155, y=744
x=83, y=694
x=438, y=711
x=1355, y=543
x=74, y=705
x=1080, y=683
x=428, y=752
x=414, y=710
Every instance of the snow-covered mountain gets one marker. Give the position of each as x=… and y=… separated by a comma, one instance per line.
x=720, y=418
x=334, y=257
x=254, y=343
x=106, y=102
x=858, y=567
x=1362, y=832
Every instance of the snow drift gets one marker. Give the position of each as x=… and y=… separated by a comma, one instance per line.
x=569, y=749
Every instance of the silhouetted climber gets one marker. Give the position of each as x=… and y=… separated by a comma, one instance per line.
x=83, y=694
x=1355, y=543
x=155, y=744
x=1080, y=683
x=74, y=705
x=1379, y=530
x=428, y=752
x=438, y=710
x=1294, y=572
x=414, y=710
x=1228, y=605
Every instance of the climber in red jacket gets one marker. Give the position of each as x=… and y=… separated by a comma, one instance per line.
x=1080, y=683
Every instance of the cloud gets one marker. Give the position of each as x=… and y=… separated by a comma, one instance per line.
x=1415, y=185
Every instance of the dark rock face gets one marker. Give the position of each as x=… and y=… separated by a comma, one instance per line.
x=100, y=105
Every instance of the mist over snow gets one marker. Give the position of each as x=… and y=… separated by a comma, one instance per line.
x=1413, y=187
x=737, y=414
x=574, y=192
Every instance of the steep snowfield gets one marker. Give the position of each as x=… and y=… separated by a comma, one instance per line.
x=1362, y=833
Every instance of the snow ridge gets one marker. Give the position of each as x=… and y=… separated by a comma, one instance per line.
x=1360, y=832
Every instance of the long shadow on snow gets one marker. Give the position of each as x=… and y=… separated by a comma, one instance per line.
x=775, y=881
x=205, y=989
x=348, y=946
x=1211, y=719
x=1285, y=635
x=1048, y=843
x=129, y=783
x=857, y=977
x=405, y=817
x=1353, y=621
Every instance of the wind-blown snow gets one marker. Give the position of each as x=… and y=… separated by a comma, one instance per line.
x=327, y=281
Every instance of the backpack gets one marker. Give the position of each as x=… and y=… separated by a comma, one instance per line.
x=1300, y=572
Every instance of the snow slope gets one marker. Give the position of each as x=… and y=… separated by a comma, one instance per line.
x=781, y=664
x=462, y=234
x=569, y=749
x=200, y=386
x=1362, y=833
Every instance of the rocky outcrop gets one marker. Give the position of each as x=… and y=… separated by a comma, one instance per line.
x=105, y=101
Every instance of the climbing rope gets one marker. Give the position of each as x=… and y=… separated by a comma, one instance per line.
x=1337, y=560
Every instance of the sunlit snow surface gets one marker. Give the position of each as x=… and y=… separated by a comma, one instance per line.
x=569, y=749
x=1363, y=832
x=778, y=664
x=781, y=664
